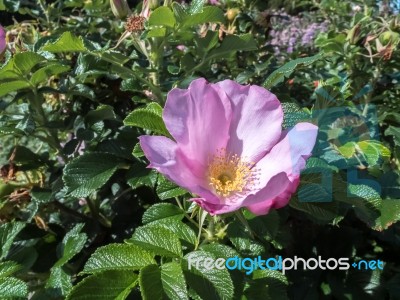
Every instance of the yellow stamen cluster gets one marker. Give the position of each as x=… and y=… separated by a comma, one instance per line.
x=229, y=174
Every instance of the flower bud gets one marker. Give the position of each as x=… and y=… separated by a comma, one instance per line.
x=3, y=42
x=120, y=8
x=232, y=13
x=354, y=34
x=389, y=37
x=153, y=4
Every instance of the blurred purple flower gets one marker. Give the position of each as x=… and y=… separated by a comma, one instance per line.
x=181, y=47
x=290, y=32
x=3, y=42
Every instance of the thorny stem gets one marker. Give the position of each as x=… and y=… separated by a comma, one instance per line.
x=184, y=211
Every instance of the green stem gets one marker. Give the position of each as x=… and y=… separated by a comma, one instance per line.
x=46, y=13
x=186, y=214
x=70, y=211
x=96, y=214
x=51, y=136
x=154, y=89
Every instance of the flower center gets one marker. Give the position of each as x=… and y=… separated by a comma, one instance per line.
x=229, y=174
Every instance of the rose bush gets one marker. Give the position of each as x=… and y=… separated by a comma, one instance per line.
x=88, y=100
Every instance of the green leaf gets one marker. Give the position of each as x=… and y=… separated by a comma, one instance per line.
x=118, y=257
x=149, y=118
x=46, y=72
x=286, y=70
x=208, y=284
x=137, y=151
x=173, y=281
x=101, y=113
x=88, y=172
x=154, y=282
x=67, y=42
x=11, y=287
x=179, y=12
x=158, y=240
x=13, y=86
x=365, y=192
x=268, y=285
x=10, y=5
x=21, y=64
x=365, y=200
x=156, y=32
x=219, y=250
x=150, y=283
x=41, y=195
x=161, y=211
x=232, y=43
x=293, y=114
x=60, y=281
x=27, y=125
x=373, y=151
x=72, y=244
x=162, y=16
x=324, y=212
x=395, y=132
x=182, y=231
x=390, y=214
x=8, y=232
x=242, y=240
x=167, y=189
x=8, y=268
x=196, y=6
x=267, y=227
x=347, y=150
x=138, y=175
x=108, y=285
x=210, y=14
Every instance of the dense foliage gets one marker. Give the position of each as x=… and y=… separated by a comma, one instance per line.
x=83, y=218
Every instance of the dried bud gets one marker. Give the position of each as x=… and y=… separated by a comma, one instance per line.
x=3, y=42
x=120, y=8
x=135, y=23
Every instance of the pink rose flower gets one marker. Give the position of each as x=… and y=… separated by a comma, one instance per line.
x=3, y=42
x=229, y=147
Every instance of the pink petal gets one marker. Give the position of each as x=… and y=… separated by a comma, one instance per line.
x=2, y=40
x=275, y=187
x=289, y=154
x=256, y=121
x=198, y=119
x=262, y=208
x=164, y=156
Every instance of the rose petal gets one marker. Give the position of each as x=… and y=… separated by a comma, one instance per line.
x=289, y=154
x=164, y=156
x=3, y=43
x=256, y=120
x=198, y=119
x=275, y=187
x=263, y=207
